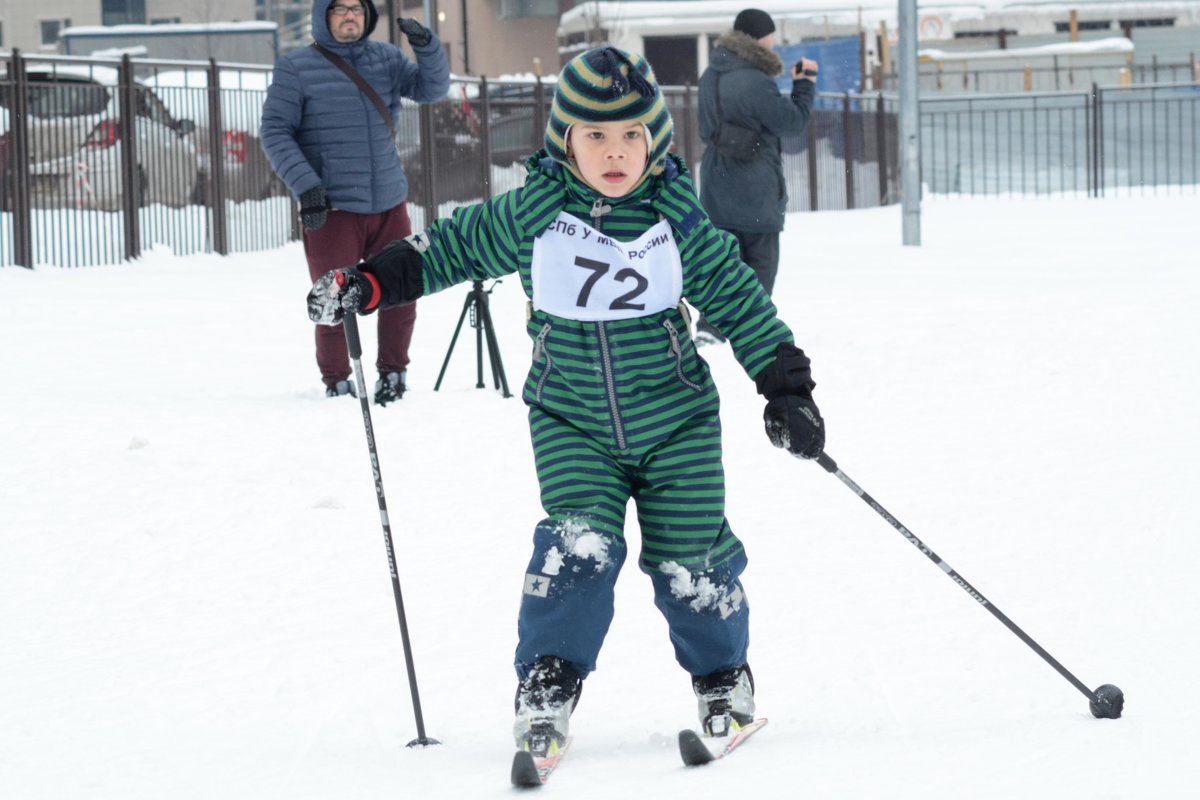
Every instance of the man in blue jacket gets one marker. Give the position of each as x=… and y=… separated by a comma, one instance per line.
x=330, y=144
x=742, y=118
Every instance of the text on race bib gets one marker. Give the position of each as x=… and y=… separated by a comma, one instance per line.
x=580, y=273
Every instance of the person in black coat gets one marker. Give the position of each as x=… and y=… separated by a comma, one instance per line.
x=742, y=117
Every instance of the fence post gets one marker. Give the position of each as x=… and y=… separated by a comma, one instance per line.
x=1097, y=143
x=485, y=136
x=881, y=156
x=848, y=150
x=218, y=224
x=132, y=188
x=428, y=163
x=18, y=158
x=687, y=127
x=810, y=133
x=539, y=105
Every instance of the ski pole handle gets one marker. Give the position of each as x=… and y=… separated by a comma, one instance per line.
x=350, y=325
x=827, y=463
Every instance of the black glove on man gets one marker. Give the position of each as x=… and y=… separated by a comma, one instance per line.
x=339, y=291
x=314, y=208
x=418, y=35
x=791, y=417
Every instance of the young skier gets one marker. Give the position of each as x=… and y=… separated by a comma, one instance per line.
x=608, y=238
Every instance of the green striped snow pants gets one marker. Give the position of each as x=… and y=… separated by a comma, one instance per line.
x=687, y=548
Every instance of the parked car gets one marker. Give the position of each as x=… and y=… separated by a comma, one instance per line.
x=247, y=173
x=75, y=142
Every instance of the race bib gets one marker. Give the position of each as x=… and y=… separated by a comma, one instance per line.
x=580, y=273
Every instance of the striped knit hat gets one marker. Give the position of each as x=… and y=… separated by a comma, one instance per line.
x=609, y=85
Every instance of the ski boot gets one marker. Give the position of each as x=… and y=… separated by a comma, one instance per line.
x=545, y=700
x=725, y=699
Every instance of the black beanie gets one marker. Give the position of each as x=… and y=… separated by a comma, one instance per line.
x=754, y=23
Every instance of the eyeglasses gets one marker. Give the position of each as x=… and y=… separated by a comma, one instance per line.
x=341, y=11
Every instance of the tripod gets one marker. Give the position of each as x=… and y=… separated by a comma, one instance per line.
x=481, y=321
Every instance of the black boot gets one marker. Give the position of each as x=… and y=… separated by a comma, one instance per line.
x=545, y=700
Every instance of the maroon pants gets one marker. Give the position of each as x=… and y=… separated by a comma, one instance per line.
x=345, y=239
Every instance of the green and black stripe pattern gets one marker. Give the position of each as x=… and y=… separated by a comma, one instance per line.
x=631, y=385
x=609, y=85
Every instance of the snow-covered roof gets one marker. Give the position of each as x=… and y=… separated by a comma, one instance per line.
x=719, y=14
x=169, y=28
x=105, y=76
x=1116, y=44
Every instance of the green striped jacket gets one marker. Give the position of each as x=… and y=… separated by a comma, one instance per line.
x=626, y=382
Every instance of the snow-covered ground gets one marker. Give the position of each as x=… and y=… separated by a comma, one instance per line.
x=194, y=592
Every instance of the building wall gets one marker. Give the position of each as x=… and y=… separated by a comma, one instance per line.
x=199, y=10
x=496, y=46
x=22, y=19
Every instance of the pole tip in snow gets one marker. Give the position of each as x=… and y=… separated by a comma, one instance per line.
x=423, y=741
x=1107, y=702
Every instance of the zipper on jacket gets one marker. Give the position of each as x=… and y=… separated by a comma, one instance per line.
x=599, y=209
x=610, y=385
x=539, y=350
x=677, y=351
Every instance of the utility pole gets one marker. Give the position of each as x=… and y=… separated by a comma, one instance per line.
x=910, y=125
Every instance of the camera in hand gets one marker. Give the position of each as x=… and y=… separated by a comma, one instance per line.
x=808, y=73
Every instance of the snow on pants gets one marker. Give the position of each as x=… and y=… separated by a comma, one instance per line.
x=688, y=550
x=344, y=240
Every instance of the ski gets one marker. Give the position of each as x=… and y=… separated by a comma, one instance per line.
x=530, y=771
x=695, y=750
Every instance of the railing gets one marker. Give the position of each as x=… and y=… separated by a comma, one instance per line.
x=1060, y=74
x=199, y=182
x=1119, y=139
x=485, y=131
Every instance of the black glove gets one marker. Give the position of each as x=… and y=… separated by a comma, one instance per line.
x=339, y=291
x=418, y=35
x=791, y=417
x=314, y=208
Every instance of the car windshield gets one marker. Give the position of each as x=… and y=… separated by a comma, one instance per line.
x=51, y=98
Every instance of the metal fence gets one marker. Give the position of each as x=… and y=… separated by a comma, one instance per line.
x=482, y=134
x=198, y=181
x=1126, y=139
x=1050, y=74
x=81, y=185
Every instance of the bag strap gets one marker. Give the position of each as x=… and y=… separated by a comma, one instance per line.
x=363, y=86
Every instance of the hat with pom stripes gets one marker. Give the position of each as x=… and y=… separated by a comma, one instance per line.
x=609, y=85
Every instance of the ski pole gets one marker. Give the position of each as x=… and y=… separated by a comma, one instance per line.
x=354, y=346
x=1105, y=701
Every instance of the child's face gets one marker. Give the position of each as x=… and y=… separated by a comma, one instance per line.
x=611, y=156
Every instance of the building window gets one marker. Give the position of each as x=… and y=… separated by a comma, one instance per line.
x=51, y=28
x=1161, y=22
x=1084, y=25
x=983, y=34
x=123, y=12
x=518, y=9
x=1, y=33
x=166, y=20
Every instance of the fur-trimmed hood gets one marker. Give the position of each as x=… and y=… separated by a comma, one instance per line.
x=747, y=49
